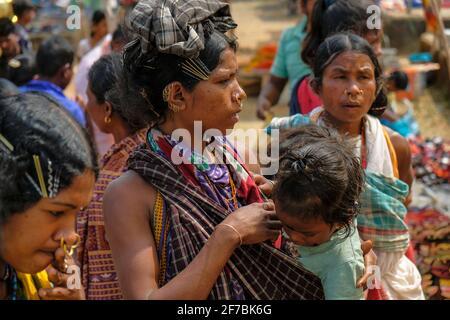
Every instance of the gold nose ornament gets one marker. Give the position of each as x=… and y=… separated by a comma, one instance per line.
x=68, y=251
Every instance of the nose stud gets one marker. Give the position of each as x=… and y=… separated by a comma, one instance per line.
x=352, y=98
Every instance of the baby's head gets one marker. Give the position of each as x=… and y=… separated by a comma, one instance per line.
x=318, y=185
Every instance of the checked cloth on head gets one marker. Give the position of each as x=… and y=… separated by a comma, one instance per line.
x=262, y=271
x=176, y=27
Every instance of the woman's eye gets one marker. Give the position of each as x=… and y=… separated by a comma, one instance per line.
x=56, y=213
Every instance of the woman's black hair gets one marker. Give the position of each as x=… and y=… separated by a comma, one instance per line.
x=319, y=176
x=337, y=44
x=333, y=16
x=97, y=17
x=105, y=84
x=165, y=69
x=7, y=88
x=36, y=124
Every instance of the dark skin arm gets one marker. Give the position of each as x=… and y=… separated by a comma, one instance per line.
x=403, y=152
x=270, y=94
x=128, y=205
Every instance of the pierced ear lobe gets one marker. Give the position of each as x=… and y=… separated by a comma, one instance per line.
x=108, y=108
x=176, y=99
x=314, y=84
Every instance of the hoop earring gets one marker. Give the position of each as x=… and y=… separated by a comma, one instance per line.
x=107, y=119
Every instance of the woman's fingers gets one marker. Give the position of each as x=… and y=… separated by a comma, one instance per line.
x=59, y=263
x=370, y=260
x=56, y=277
x=60, y=294
x=269, y=206
x=366, y=246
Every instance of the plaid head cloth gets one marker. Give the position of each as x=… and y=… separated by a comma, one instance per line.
x=176, y=26
x=263, y=272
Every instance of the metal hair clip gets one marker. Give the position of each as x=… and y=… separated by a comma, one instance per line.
x=7, y=147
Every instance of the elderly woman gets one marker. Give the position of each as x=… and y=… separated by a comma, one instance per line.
x=181, y=223
x=47, y=173
x=111, y=115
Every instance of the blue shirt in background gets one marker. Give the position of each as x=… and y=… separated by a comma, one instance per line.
x=45, y=86
x=288, y=63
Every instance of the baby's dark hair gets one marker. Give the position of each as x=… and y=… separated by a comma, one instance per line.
x=36, y=124
x=319, y=176
x=339, y=43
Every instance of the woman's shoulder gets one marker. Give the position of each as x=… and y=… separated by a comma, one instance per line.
x=130, y=191
x=400, y=144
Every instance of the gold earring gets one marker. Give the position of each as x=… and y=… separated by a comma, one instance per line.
x=166, y=93
x=107, y=119
x=174, y=108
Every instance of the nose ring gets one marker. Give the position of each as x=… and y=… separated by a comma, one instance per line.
x=70, y=251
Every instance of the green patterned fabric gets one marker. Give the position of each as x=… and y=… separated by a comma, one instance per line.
x=382, y=212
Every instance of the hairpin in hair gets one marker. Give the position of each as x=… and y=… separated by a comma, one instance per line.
x=53, y=180
x=5, y=144
x=144, y=95
x=195, y=69
x=7, y=147
x=40, y=175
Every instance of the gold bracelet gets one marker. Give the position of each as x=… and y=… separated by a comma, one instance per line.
x=234, y=229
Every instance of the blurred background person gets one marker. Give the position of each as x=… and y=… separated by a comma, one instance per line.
x=288, y=65
x=25, y=11
x=99, y=30
x=9, y=45
x=22, y=69
x=103, y=140
x=54, y=61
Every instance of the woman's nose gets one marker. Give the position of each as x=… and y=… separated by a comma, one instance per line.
x=240, y=94
x=353, y=89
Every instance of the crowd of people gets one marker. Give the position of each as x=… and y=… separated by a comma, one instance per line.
x=93, y=181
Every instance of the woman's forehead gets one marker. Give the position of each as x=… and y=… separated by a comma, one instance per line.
x=227, y=62
x=351, y=60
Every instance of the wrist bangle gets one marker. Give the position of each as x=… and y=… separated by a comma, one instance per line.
x=234, y=229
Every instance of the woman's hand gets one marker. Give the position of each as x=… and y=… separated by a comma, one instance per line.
x=66, y=285
x=265, y=185
x=370, y=259
x=255, y=223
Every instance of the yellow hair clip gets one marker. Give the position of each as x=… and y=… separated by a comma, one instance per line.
x=40, y=174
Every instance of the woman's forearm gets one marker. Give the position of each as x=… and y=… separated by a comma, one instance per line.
x=196, y=281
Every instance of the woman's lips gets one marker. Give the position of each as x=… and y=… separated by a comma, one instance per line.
x=351, y=105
